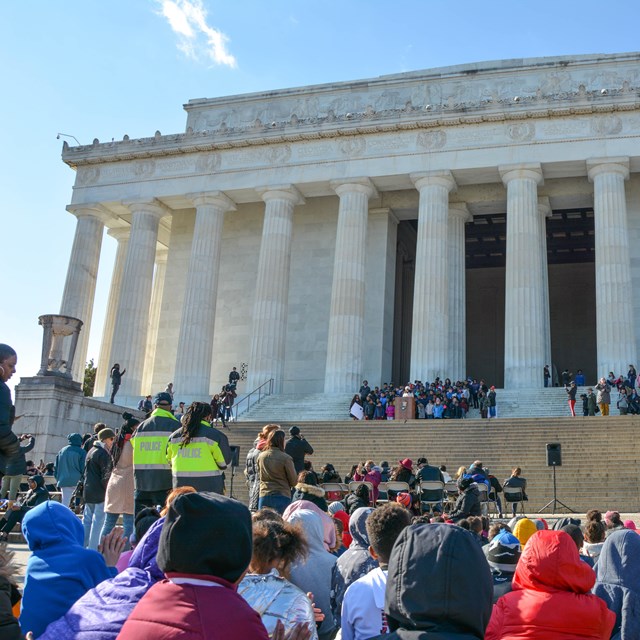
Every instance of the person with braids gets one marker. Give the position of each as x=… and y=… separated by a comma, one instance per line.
x=194, y=453
x=119, y=496
x=276, y=546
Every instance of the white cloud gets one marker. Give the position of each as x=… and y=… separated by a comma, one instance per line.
x=196, y=39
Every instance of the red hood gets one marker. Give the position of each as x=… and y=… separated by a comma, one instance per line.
x=261, y=445
x=550, y=562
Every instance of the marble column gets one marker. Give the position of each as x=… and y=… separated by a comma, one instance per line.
x=80, y=285
x=343, y=372
x=544, y=211
x=132, y=317
x=524, y=322
x=458, y=216
x=195, y=342
x=162, y=253
x=270, y=307
x=614, y=295
x=430, y=355
x=121, y=234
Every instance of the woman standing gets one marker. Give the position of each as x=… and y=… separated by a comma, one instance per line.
x=277, y=474
x=195, y=456
x=116, y=379
x=119, y=495
x=9, y=445
x=571, y=392
x=251, y=472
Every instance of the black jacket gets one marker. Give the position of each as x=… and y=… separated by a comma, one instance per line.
x=16, y=465
x=97, y=470
x=296, y=447
x=439, y=586
x=310, y=493
x=9, y=443
x=467, y=504
x=35, y=496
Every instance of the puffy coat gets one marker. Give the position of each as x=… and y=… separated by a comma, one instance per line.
x=467, y=504
x=70, y=462
x=550, y=595
x=617, y=581
x=275, y=598
x=252, y=473
x=439, y=585
x=101, y=612
x=119, y=495
x=16, y=465
x=311, y=493
x=96, y=474
x=297, y=447
x=355, y=562
x=60, y=570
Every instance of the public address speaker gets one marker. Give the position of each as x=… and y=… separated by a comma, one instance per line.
x=554, y=454
x=235, y=456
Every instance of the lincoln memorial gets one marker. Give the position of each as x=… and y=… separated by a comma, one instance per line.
x=481, y=220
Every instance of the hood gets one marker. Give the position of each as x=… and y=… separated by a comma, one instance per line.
x=144, y=555
x=438, y=581
x=524, y=529
x=357, y=527
x=619, y=558
x=39, y=480
x=550, y=562
x=50, y=524
x=75, y=439
x=311, y=523
x=311, y=489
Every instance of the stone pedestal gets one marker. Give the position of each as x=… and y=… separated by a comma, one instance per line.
x=614, y=294
x=269, y=327
x=195, y=342
x=430, y=356
x=59, y=345
x=343, y=372
x=524, y=331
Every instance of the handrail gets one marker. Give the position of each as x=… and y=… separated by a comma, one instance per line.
x=259, y=391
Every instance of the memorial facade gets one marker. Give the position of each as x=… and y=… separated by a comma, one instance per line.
x=474, y=220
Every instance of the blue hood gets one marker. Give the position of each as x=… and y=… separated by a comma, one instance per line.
x=50, y=524
x=358, y=528
x=75, y=439
x=144, y=555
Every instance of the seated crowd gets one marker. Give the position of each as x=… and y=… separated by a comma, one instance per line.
x=437, y=399
x=303, y=562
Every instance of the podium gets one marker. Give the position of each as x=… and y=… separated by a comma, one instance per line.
x=405, y=408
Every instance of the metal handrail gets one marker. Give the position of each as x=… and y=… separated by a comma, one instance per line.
x=260, y=392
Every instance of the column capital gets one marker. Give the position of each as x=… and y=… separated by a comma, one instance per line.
x=522, y=171
x=597, y=166
x=119, y=233
x=91, y=210
x=430, y=178
x=360, y=185
x=152, y=206
x=544, y=207
x=460, y=210
x=286, y=192
x=385, y=211
x=212, y=198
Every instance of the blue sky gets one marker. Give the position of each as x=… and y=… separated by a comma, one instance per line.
x=102, y=69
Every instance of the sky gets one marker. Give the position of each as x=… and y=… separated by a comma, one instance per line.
x=102, y=69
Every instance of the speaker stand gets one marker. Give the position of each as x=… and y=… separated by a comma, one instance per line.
x=233, y=473
x=553, y=502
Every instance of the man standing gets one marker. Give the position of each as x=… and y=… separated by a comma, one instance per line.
x=547, y=375
x=151, y=471
x=296, y=446
x=70, y=466
x=96, y=476
x=234, y=376
x=365, y=390
x=591, y=402
x=493, y=409
x=604, y=396
x=116, y=380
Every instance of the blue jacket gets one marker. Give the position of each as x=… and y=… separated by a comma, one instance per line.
x=70, y=462
x=617, y=582
x=60, y=570
x=101, y=612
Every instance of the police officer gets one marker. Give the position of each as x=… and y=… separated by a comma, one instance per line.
x=151, y=470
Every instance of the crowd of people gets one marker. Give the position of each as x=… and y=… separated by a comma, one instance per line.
x=298, y=563
x=440, y=399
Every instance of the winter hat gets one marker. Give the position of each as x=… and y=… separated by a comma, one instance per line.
x=163, y=396
x=608, y=515
x=407, y=463
x=192, y=522
x=294, y=431
x=404, y=499
x=539, y=524
x=523, y=530
x=335, y=507
x=105, y=434
x=630, y=524
x=503, y=552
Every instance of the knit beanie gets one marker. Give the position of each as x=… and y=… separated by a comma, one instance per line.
x=335, y=507
x=105, y=434
x=503, y=552
x=206, y=534
x=523, y=530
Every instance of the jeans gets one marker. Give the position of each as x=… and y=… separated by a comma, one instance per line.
x=67, y=492
x=277, y=502
x=110, y=520
x=493, y=412
x=10, y=484
x=92, y=521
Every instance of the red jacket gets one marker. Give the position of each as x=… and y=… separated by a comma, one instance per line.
x=550, y=597
x=188, y=611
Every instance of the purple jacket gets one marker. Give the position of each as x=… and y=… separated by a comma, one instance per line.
x=101, y=612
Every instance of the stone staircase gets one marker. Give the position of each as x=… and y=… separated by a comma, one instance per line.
x=600, y=455
x=512, y=403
